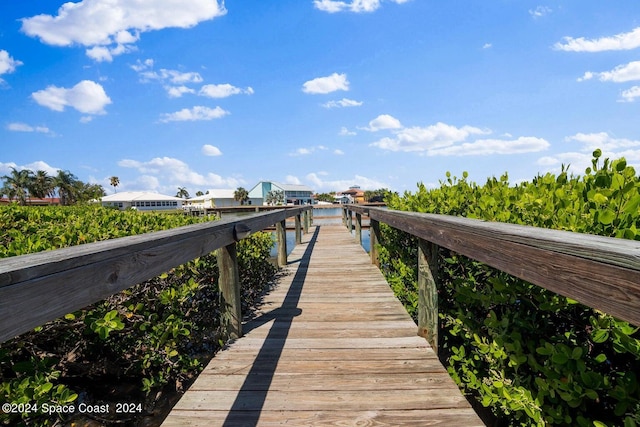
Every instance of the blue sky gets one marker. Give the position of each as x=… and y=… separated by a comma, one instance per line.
x=378, y=93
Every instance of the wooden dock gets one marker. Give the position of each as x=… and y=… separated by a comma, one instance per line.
x=330, y=346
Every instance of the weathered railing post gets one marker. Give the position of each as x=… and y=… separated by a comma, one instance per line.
x=349, y=220
x=428, y=292
x=281, y=237
x=229, y=285
x=359, y=228
x=307, y=221
x=344, y=216
x=298, y=228
x=374, y=240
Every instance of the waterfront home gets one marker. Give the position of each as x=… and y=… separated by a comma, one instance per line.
x=142, y=200
x=293, y=194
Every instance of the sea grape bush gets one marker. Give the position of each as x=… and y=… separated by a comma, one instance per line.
x=530, y=356
x=151, y=338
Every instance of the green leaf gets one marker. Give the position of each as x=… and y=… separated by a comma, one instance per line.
x=560, y=358
x=606, y=216
x=599, y=335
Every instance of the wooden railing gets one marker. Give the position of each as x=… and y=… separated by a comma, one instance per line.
x=600, y=272
x=44, y=286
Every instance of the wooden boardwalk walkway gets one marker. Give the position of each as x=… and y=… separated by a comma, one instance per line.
x=330, y=346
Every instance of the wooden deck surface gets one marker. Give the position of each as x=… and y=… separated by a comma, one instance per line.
x=330, y=346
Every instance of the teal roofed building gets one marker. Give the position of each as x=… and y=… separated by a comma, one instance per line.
x=292, y=194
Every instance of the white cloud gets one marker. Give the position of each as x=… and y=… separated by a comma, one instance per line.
x=383, y=121
x=7, y=63
x=484, y=147
x=194, y=114
x=344, y=102
x=442, y=139
x=140, y=66
x=338, y=152
x=621, y=73
x=601, y=140
x=540, y=11
x=487, y=46
x=87, y=97
x=223, y=90
x=622, y=41
x=178, y=91
x=322, y=85
x=116, y=24
x=425, y=139
x=346, y=132
x=23, y=127
x=5, y=168
x=322, y=185
x=306, y=151
x=290, y=179
x=174, y=173
x=172, y=76
x=210, y=150
x=357, y=6
x=106, y=54
x=611, y=147
x=631, y=94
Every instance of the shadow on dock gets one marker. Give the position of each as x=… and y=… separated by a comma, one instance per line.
x=251, y=397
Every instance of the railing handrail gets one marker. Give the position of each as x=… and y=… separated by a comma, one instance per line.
x=40, y=287
x=600, y=272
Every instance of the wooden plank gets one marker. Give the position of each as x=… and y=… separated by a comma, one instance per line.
x=600, y=272
x=326, y=349
x=318, y=400
x=375, y=418
x=303, y=382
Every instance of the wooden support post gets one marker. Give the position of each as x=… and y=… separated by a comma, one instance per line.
x=281, y=237
x=306, y=222
x=349, y=220
x=428, y=292
x=229, y=286
x=374, y=240
x=344, y=216
x=299, y=229
x=359, y=228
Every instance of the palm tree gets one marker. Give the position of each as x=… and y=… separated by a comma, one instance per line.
x=241, y=195
x=41, y=185
x=65, y=181
x=17, y=184
x=115, y=181
x=182, y=193
x=88, y=192
x=275, y=197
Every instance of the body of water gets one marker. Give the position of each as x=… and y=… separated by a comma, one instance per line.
x=322, y=216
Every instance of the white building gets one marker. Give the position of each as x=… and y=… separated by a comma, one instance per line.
x=141, y=200
x=216, y=198
x=293, y=194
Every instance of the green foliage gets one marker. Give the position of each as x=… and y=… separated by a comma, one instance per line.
x=155, y=334
x=530, y=356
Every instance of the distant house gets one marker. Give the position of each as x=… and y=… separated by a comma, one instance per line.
x=144, y=201
x=217, y=198
x=343, y=199
x=293, y=194
x=356, y=194
x=33, y=201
